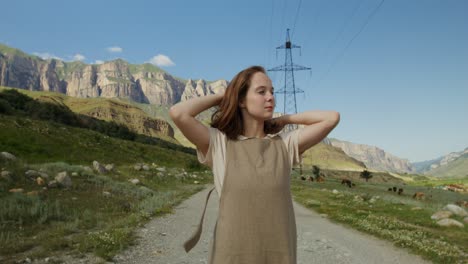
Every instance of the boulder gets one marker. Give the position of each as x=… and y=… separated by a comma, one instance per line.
x=7, y=156
x=137, y=167
x=134, y=181
x=441, y=215
x=40, y=181
x=455, y=209
x=52, y=184
x=162, y=169
x=32, y=174
x=99, y=168
x=63, y=179
x=6, y=175
x=449, y=222
x=110, y=167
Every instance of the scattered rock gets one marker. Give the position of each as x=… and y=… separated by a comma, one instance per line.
x=6, y=175
x=162, y=169
x=40, y=181
x=74, y=174
x=312, y=202
x=7, y=156
x=145, y=167
x=44, y=175
x=416, y=208
x=52, y=184
x=441, y=215
x=99, y=168
x=335, y=191
x=134, y=181
x=16, y=190
x=137, y=167
x=110, y=167
x=449, y=222
x=455, y=209
x=63, y=179
x=160, y=174
x=196, y=182
x=87, y=168
x=106, y=194
x=32, y=174
x=33, y=193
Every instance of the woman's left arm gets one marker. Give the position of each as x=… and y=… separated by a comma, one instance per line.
x=318, y=124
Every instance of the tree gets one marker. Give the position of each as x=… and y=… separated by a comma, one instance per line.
x=366, y=175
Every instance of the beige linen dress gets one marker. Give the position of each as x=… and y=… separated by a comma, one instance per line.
x=256, y=222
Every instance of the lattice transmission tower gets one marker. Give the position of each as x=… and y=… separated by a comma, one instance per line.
x=289, y=89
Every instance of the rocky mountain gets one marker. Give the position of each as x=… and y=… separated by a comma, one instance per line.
x=454, y=164
x=374, y=157
x=144, y=83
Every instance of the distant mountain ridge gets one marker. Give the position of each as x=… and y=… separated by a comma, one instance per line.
x=374, y=157
x=454, y=164
x=144, y=83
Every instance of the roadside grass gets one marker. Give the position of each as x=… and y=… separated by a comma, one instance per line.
x=99, y=212
x=83, y=218
x=390, y=216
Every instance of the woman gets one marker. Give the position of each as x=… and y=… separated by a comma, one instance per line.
x=251, y=166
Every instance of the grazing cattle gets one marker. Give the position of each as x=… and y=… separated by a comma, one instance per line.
x=394, y=188
x=418, y=195
x=462, y=203
x=400, y=191
x=310, y=178
x=390, y=189
x=347, y=182
x=303, y=178
x=320, y=179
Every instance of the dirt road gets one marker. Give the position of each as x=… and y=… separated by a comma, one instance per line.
x=319, y=239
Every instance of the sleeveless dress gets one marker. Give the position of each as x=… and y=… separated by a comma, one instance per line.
x=256, y=222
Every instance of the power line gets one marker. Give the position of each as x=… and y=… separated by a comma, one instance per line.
x=351, y=41
x=295, y=19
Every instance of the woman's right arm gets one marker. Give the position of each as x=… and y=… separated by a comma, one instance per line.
x=183, y=114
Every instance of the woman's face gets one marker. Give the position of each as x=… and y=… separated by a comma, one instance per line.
x=259, y=101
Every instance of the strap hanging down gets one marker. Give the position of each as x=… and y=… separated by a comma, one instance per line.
x=189, y=244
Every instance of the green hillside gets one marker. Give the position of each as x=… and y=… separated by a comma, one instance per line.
x=329, y=157
x=455, y=169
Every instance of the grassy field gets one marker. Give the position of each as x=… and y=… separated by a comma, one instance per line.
x=98, y=213
x=398, y=218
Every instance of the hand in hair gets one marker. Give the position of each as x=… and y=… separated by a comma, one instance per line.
x=274, y=125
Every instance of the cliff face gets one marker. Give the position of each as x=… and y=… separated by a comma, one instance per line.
x=373, y=157
x=143, y=83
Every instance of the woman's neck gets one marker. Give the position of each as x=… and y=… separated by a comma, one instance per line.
x=254, y=128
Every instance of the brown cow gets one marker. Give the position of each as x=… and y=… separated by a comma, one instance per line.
x=347, y=182
x=303, y=178
x=310, y=178
x=419, y=195
x=400, y=191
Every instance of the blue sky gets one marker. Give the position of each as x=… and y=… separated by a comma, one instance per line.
x=401, y=84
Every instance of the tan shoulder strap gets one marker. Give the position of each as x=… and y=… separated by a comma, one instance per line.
x=189, y=244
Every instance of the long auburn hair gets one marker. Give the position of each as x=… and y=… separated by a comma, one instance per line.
x=228, y=116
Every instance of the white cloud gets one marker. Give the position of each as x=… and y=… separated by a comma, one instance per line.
x=46, y=55
x=78, y=57
x=98, y=62
x=161, y=60
x=114, y=49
